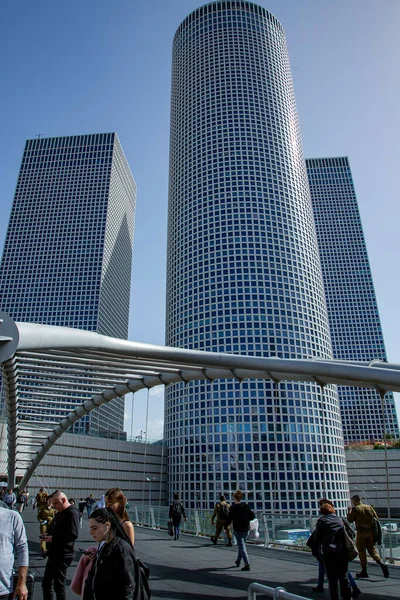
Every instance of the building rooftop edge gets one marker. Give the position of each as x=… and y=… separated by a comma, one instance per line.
x=56, y=137
x=225, y=2
x=328, y=158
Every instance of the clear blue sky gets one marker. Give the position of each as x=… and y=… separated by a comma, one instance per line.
x=95, y=65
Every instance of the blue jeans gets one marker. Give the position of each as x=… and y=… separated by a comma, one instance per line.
x=321, y=575
x=176, y=525
x=241, y=542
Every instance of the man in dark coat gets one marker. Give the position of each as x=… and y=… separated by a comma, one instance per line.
x=60, y=540
x=176, y=512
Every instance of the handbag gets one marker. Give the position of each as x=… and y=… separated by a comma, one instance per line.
x=377, y=529
x=253, y=531
x=351, y=548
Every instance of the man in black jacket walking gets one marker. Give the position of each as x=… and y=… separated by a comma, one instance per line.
x=176, y=512
x=60, y=540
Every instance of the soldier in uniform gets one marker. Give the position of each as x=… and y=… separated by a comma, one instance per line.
x=221, y=512
x=363, y=516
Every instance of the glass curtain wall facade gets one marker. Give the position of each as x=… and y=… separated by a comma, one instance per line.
x=354, y=321
x=68, y=250
x=243, y=270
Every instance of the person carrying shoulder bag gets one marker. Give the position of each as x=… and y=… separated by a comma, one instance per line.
x=240, y=514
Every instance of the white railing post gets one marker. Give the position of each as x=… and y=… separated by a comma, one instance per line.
x=197, y=522
x=275, y=593
x=273, y=525
x=153, y=520
x=310, y=523
x=136, y=515
x=266, y=531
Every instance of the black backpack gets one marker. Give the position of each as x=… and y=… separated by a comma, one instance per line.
x=223, y=511
x=176, y=509
x=142, y=589
x=142, y=573
x=334, y=544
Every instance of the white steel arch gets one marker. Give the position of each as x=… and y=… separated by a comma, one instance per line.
x=42, y=362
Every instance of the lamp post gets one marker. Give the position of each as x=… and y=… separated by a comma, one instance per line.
x=150, y=479
x=375, y=488
x=382, y=395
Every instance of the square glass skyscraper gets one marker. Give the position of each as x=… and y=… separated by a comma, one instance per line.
x=68, y=250
x=355, y=326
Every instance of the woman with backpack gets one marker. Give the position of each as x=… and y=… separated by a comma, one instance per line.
x=331, y=544
x=176, y=512
x=221, y=512
x=240, y=514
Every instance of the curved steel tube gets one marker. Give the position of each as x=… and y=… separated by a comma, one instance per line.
x=156, y=365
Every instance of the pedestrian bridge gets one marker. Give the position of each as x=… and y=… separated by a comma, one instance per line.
x=192, y=568
x=43, y=365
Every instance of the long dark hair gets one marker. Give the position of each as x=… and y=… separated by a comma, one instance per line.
x=106, y=515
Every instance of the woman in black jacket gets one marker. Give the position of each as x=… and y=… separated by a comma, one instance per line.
x=240, y=515
x=330, y=539
x=112, y=574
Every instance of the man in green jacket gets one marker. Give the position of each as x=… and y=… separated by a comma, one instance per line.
x=363, y=516
x=221, y=511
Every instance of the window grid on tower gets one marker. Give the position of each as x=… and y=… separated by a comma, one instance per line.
x=243, y=270
x=352, y=308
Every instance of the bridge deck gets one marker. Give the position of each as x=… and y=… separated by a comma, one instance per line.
x=192, y=568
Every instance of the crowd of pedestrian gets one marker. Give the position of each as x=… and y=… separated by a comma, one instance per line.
x=18, y=499
x=107, y=571
x=111, y=569
x=331, y=542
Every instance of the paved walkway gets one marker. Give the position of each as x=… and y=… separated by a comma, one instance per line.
x=194, y=569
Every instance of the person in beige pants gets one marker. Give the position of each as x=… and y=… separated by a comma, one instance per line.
x=363, y=516
x=45, y=515
x=221, y=511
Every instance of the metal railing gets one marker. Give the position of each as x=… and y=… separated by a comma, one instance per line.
x=278, y=593
x=279, y=531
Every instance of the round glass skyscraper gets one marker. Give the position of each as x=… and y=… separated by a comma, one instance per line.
x=243, y=271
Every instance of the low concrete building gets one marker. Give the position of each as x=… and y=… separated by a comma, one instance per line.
x=81, y=465
x=367, y=477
